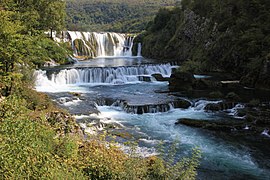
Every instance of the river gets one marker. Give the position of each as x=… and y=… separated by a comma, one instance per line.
x=148, y=113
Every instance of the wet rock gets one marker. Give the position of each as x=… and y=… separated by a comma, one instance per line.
x=145, y=78
x=220, y=106
x=159, y=77
x=105, y=101
x=146, y=108
x=64, y=100
x=76, y=94
x=182, y=103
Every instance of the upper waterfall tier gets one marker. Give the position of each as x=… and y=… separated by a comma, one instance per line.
x=93, y=44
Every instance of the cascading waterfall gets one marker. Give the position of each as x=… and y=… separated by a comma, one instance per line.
x=141, y=109
x=93, y=44
x=108, y=75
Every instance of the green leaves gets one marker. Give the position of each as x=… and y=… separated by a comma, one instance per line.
x=213, y=35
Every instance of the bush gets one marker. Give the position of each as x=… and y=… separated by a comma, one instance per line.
x=27, y=151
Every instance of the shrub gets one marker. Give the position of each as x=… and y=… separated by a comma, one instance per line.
x=27, y=151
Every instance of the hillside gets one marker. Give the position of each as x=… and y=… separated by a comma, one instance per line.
x=112, y=15
x=220, y=36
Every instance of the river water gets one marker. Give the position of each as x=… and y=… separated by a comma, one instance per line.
x=129, y=79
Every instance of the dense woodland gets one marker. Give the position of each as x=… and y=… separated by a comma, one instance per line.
x=214, y=35
x=41, y=141
x=112, y=15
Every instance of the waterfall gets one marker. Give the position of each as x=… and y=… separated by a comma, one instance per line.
x=142, y=109
x=139, y=54
x=93, y=44
x=107, y=75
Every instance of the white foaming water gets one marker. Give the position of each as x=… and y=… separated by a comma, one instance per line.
x=201, y=104
x=265, y=133
x=102, y=44
x=201, y=76
x=217, y=155
x=139, y=151
x=234, y=111
x=71, y=78
x=67, y=101
x=150, y=141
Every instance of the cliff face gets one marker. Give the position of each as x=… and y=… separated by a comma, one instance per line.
x=225, y=36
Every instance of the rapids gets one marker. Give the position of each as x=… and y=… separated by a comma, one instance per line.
x=106, y=85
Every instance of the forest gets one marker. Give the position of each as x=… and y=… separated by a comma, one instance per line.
x=214, y=36
x=115, y=15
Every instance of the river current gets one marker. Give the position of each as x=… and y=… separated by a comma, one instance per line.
x=129, y=79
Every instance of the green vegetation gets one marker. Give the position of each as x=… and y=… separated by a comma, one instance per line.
x=40, y=141
x=214, y=35
x=112, y=15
